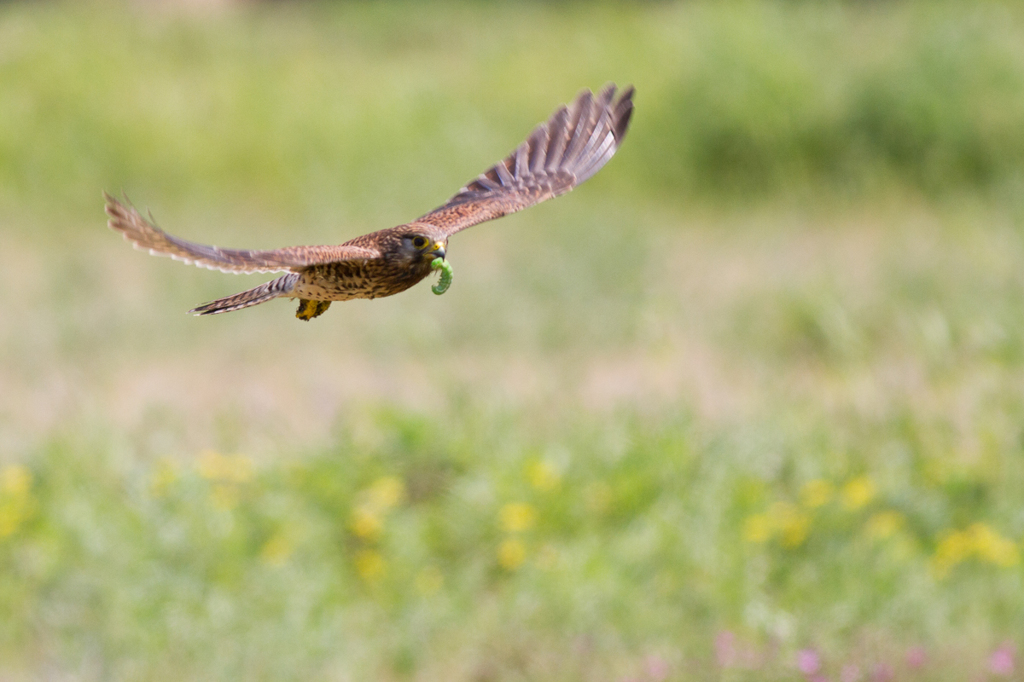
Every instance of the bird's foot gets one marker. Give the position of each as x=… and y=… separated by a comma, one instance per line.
x=446, y=275
x=310, y=309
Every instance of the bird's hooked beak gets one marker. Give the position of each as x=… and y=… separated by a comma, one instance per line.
x=438, y=251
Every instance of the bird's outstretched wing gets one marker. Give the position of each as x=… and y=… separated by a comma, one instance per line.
x=148, y=237
x=561, y=153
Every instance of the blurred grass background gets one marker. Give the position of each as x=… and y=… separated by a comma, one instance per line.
x=747, y=405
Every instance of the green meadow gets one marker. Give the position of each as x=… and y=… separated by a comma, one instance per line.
x=747, y=405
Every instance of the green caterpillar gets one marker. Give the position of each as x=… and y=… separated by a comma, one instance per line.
x=446, y=275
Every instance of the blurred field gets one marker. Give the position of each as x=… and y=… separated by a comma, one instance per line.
x=748, y=405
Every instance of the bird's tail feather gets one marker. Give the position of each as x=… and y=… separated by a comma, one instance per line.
x=282, y=286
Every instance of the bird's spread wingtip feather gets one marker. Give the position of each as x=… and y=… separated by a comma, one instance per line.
x=575, y=142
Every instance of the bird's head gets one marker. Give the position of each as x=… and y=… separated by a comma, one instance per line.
x=422, y=243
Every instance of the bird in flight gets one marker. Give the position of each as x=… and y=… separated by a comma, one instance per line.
x=559, y=154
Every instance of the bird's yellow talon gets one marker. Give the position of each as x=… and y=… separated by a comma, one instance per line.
x=310, y=309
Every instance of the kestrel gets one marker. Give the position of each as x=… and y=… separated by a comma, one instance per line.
x=559, y=154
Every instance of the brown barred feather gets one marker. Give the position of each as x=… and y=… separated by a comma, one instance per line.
x=148, y=237
x=282, y=286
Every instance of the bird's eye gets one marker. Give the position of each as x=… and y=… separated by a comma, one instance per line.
x=419, y=242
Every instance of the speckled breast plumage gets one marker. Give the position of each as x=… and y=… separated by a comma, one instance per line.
x=343, y=281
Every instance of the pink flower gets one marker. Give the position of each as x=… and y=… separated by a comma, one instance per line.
x=850, y=673
x=882, y=673
x=808, y=661
x=657, y=668
x=725, y=649
x=1001, y=662
x=916, y=656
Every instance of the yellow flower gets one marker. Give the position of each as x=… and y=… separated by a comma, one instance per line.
x=993, y=547
x=816, y=493
x=429, y=581
x=367, y=520
x=757, y=528
x=954, y=547
x=511, y=554
x=15, y=480
x=366, y=524
x=10, y=518
x=791, y=523
x=978, y=540
x=16, y=501
x=884, y=524
x=163, y=478
x=543, y=476
x=224, y=495
x=517, y=516
x=858, y=492
x=783, y=520
x=225, y=468
x=276, y=550
x=370, y=565
x=795, y=532
x=386, y=492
